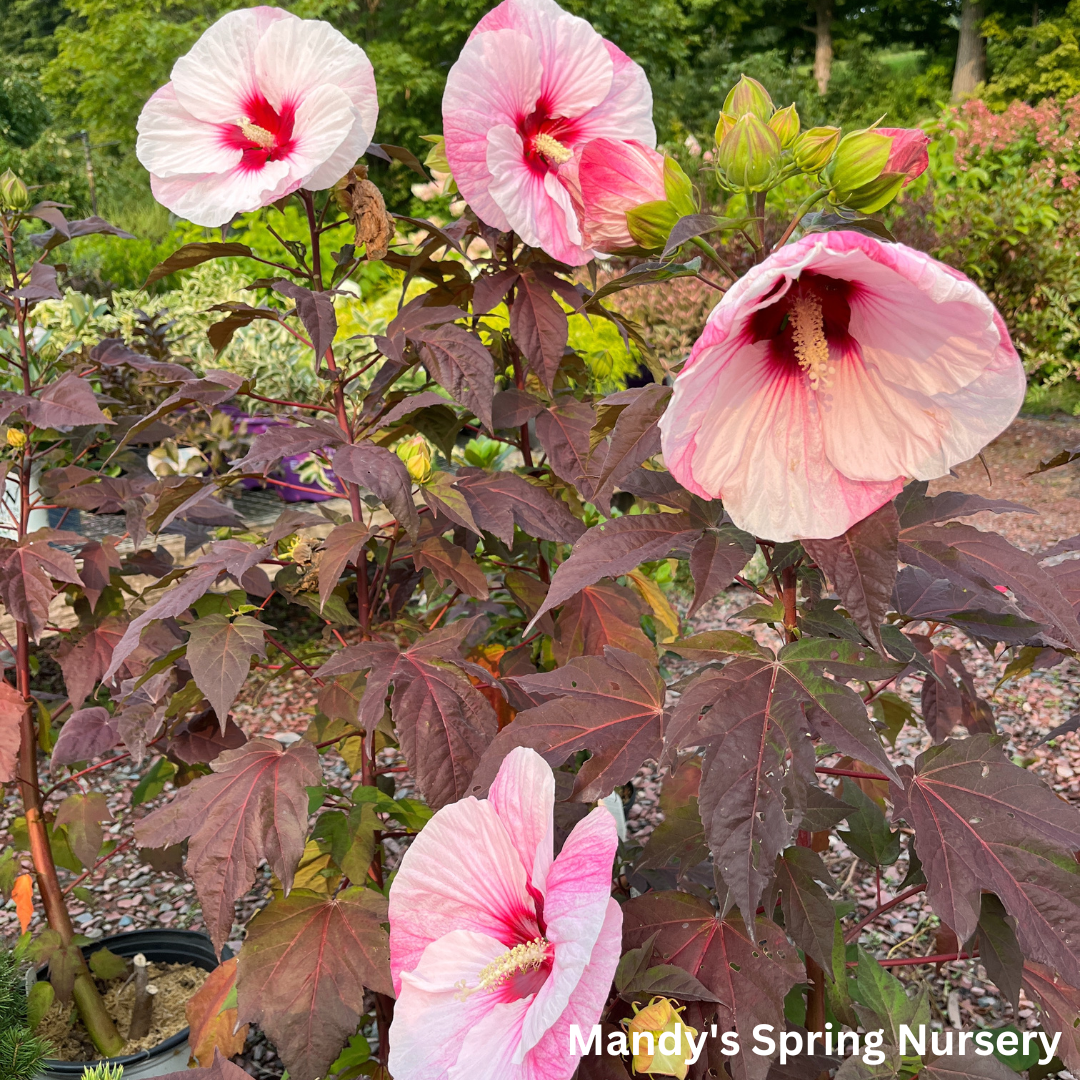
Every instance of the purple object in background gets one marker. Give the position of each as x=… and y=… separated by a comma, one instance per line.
x=293, y=488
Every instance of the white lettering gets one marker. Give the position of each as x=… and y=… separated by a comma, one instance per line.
x=908, y=1036
x=1049, y=1047
x=692, y=1048
x=761, y=1035
x=790, y=1045
x=579, y=1046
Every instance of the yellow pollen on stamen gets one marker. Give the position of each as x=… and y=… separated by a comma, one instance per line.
x=519, y=959
x=258, y=135
x=552, y=149
x=808, y=335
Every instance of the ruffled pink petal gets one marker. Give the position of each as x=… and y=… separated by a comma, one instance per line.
x=488, y=1052
x=523, y=796
x=435, y=892
x=615, y=176
x=575, y=907
x=216, y=198
x=217, y=76
x=295, y=56
x=909, y=152
x=626, y=111
x=174, y=143
x=435, y=1021
x=495, y=81
x=535, y=204
x=551, y=1058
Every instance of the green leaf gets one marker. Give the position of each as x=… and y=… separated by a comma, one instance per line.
x=892, y=712
x=1018, y=1062
x=38, y=1002
x=884, y=998
x=153, y=782
x=869, y=835
x=106, y=965
x=646, y=274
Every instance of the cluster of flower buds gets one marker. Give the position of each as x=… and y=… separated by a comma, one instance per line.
x=13, y=192
x=760, y=146
x=416, y=454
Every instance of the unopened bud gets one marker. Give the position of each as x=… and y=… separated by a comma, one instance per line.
x=13, y=192
x=723, y=126
x=661, y=1047
x=436, y=157
x=873, y=196
x=814, y=148
x=786, y=124
x=679, y=188
x=750, y=154
x=860, y=158
x=416, y=454
x=749, y=96
x=16, y=438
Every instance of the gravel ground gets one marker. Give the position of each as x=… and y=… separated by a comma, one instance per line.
x=128, y=895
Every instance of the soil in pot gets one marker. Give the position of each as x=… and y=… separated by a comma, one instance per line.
x=176, y=984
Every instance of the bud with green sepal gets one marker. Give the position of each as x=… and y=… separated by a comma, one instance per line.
x=650, y=223
x=749, y=156
x=14, y=194
x=416, y=454
x=749, y=96
x=813, y=149
x=860, y=159
x=786, y=124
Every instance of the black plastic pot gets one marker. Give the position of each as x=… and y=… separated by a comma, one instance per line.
x=164, y=946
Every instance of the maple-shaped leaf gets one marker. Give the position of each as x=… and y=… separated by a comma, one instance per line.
x=253, y=806
x=450, y=562
x=201, y=739
x=69, y=402
x=967, y=556
x=26, y=581
x=460, y=363
x=85, y=660
x=232, y=557
x=563, y=431
x=861, y=566
x=982, y=822
x=303, y=968
x=635, y=437
x=211, y=1020
x=749, y=969
x=1060, y=1002
x=539, y=325
x=98, y=561
x=599, y=616
x=339, y=549
x=444, y=723
x=86, y=734
x=755, y=717
x=610, y=705
x=219, y=652
x=287, y=440
x=83, y=814
x=383, y=472
x=716, y=558
x=501, y=500
x=12, y=708
x=616, y=547
x=316, y=312
x=946, y=702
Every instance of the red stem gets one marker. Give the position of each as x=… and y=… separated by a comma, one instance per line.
x=92, y=768
x=910, y=961
x=853, y=933
x=851, y=772
x=104, y=858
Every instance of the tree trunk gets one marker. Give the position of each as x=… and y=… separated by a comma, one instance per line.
x=823, y=50
x=970, y=68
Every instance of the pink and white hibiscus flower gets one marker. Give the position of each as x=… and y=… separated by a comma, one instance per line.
x=496, y=947
x=263, y=104
x=827, y=375
x=531, y=87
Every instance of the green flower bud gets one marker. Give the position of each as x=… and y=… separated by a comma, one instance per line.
x=650, y=224
x=873, y=196
x=13, y=192
x=416, y=454
x=750, y=154
x=786, y=124
x=436, y=156
x=813, y=149
x=678, y=188
x=860, y=158
x=749, y=96
x=723, y=126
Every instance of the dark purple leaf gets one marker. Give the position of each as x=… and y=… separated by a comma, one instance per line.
x=539, y=325
x=98, y=561
x=809, y=915
x=86, y=734
x=500, y=500
x=316, y=312
x=461, y=364
x=382, y=472
x=112, y=352
x=219, y=652
x=861, y=566
x=85, y=660
x=449, y=562
x=42, y=284
x=339, y=549
x=618, y=546
x=982, y=822
x=563, y=431
x=915, y=508
x=657, y=486
x=409, y=405
x=717, y=557
x=192, y=255
x=512, y=408
x=240, y=315
x=1060, y=1004
x=420, y=313
x=200, y=740
x=634, y=438
x=68, y=402
x=286, y=440
x=598, y=616
x=681, y=835
x=489, y=290
x=611, y=706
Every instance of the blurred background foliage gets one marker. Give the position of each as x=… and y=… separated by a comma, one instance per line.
x=1000, y=200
